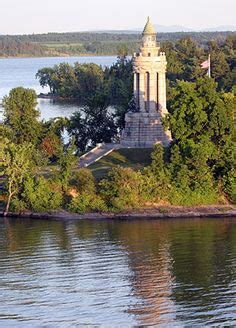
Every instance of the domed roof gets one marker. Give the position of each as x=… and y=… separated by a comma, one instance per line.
x=149, y=28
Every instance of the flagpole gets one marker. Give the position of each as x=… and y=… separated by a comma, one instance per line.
x=209, y=68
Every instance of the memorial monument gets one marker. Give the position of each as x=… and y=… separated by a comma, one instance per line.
x=143, y=126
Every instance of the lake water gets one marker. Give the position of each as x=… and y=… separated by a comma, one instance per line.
x=164, y=273
x=15, y=72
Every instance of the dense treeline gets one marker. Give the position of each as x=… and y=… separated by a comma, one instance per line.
x=185, y=57
x=85, y=82
x=55, y=44
x=74, y=37
x=89, y=48
x=11, y=48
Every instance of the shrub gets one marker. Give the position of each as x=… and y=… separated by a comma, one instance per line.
x=39, y=195
x=156, y=184
x=87, y=198
x=155, y=188
x=121, y=189
x=86, y=202
x=84, y=181
x=190, y=197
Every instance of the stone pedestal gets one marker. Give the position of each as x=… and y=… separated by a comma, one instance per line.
x=143, y=130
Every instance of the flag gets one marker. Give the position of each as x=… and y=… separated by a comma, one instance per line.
x=205, y=64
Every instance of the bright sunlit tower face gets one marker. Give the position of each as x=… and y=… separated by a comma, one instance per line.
x=149, y=41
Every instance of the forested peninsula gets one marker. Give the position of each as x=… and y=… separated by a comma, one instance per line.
x=40, y=173
x=90, y=43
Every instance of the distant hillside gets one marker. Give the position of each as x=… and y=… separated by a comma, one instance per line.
x=90, y=43
x=171, y=29
x=159, y=29
x=220, y=28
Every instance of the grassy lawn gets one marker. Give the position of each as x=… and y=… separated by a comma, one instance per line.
x=135, y=158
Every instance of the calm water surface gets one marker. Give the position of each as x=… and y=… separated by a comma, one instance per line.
x=16, y=72
x=173, y=273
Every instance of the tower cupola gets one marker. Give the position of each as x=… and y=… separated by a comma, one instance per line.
x=149, y=35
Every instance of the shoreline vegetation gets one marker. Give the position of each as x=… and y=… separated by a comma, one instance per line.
x=157, y=212
x=40, y=174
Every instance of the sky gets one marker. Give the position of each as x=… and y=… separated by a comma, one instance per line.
x=33, y=16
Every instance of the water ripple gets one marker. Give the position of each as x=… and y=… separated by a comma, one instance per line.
x=120, y=274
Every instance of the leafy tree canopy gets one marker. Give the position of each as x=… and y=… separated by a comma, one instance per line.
x=21, y=115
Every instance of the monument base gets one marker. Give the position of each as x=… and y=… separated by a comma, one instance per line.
x=144, y=130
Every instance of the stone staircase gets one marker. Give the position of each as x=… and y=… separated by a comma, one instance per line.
x=97, y=153
x=143, y=130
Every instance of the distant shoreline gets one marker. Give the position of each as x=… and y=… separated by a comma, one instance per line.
x=161, y=212
x=58, y=56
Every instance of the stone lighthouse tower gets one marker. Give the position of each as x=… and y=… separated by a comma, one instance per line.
x=143, y=127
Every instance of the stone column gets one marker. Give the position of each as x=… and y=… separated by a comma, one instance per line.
x=135, y=85
x=142, y=92
x=162, y=92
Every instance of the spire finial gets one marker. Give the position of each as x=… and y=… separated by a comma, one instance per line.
x=149, y=28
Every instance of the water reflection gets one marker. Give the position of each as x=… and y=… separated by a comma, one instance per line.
x=164, y=273
x=51, y=108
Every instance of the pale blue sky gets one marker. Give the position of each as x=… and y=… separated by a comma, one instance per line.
x=32, y=16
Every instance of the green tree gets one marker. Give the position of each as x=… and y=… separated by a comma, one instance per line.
x=89, y=78
x=15, y=164
x=66, y=163
x=21, y=115
x=156, y=179
x=120, y=86
x=78, y=129
x=96, y=125
x=188, y=53
x=201, y=121
x=175, y=68
x=220, y=68
x=46, y=78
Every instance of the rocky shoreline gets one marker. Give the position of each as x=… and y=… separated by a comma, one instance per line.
x=162, y=212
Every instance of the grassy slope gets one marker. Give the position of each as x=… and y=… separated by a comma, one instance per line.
x=127, y=157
